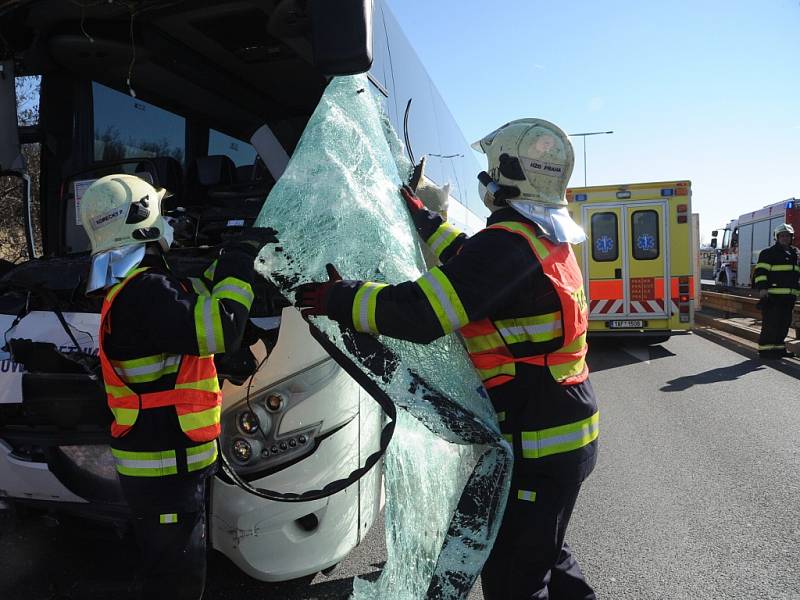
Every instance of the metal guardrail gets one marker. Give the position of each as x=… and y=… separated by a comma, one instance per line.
x=738, y=306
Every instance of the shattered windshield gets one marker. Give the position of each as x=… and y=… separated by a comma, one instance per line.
x=447, y=467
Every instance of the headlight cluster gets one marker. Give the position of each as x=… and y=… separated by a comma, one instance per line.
x=251, y=432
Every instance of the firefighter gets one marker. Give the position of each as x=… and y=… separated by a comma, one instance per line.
x=158, y=336
x=777, y=277
x=514, y=291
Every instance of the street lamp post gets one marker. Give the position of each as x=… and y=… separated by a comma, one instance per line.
x=583, y=135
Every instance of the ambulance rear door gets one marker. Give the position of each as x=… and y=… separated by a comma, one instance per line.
x=647, y=258
x=626, y=265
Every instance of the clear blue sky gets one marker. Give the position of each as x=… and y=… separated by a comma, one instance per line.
x=706, y=90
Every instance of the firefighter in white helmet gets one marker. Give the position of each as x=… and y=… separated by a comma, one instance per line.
x=777, y=277
x=158, y=337
x=515, y=293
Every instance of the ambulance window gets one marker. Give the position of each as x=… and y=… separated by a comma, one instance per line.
x=126, y=127
x=241, y=153
x=604, y=237
x=644, y=224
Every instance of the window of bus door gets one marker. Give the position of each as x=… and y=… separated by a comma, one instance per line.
x=648, y=281
x=603, y=268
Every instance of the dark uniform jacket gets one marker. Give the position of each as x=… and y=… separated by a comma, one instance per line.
x=495, y=275
x=778, y=272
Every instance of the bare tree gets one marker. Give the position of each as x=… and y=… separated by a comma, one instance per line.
x=12, y=230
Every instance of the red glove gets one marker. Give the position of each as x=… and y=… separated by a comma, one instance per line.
x=313, y=297
x=414, y=204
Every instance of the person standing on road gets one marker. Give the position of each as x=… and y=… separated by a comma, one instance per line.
x=515, y=293
x=158, y=337
x=777, y=277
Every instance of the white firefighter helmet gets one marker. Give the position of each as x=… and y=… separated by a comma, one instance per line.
x=784, y=228
x=531, y=161
x=121, y=214
x=533, y=155
x=123, y=210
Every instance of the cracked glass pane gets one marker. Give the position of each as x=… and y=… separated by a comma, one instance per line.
x=447, y=468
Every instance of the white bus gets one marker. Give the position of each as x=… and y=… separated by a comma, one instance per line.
x=207, y=99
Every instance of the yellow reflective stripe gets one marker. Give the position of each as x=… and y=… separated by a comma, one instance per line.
x=206, y=385
x=198, y=420
x=783, y=267
x=199, y=286
x=506, y=369
x=364, y=305
x=168, y=518
x=209, y=272
x=540, y=248
x=508, y=437
x=771, y=347
x=145, y=464
x=781, y=291
x=444, y=235
x=443, y=299
x=528, y=495
x=563, y=371
x=199, y=457
x=501, y=416
x=539, y=328
x=481, y=343
x=760, y=278
x=125, y=416
x=150, y=368
x=208, y=324
x=234, y=289
x=564, y=438
x=577, y=344
x=118, y=391
x=765, y=266
x=567, y=369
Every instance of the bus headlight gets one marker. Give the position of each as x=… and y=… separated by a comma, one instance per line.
x=248, y=422
x=242, y=450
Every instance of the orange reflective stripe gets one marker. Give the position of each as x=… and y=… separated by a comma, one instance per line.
x=600, y=289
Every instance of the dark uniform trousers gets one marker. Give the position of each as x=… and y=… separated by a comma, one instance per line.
x=776, y=320
x=530, y=559
x=169, y=523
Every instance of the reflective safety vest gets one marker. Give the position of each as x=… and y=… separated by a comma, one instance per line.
x=195, y=394
x=493, y=345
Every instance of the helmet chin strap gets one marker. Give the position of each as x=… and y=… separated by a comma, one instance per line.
x=500, y=194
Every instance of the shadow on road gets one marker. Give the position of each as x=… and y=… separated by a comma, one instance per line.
x=610, y=354
x=729, y=373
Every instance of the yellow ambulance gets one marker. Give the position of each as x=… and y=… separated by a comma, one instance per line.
x=638, y=261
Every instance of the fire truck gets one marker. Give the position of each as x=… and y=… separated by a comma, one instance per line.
x=640, y=259
x=744, y=238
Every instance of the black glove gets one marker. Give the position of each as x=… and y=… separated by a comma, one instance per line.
x=252, y=239
x=313, y=297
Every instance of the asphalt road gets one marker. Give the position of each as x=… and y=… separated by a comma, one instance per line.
x=696, y=495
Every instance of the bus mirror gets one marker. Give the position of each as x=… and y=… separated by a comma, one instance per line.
x=714, y=233
x=10, y=155
x=714, y=242
x=341, y=35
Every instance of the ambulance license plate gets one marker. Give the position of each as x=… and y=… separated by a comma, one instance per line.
x=627, y=324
